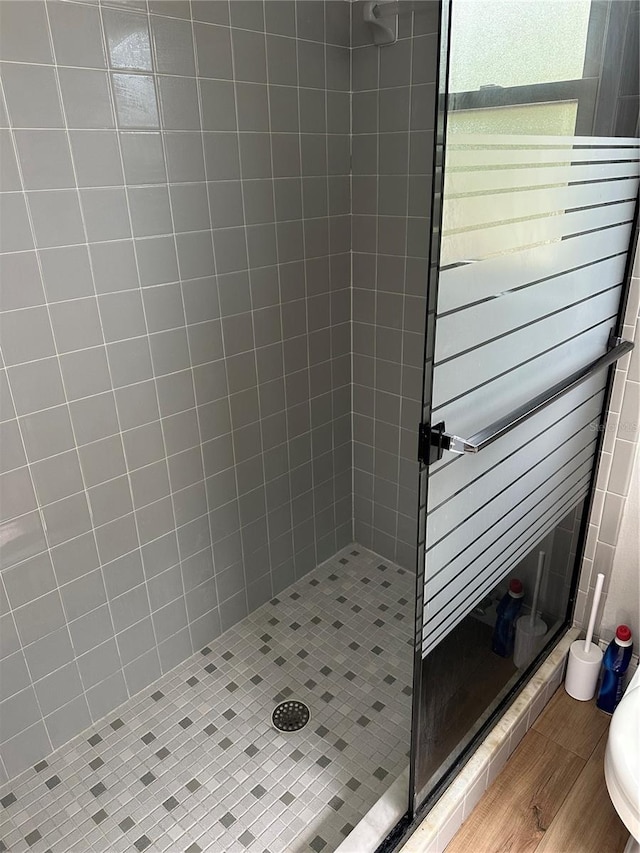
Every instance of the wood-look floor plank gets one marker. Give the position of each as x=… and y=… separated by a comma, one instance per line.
x=516, y=810
x=587, y=821
x=577, y=726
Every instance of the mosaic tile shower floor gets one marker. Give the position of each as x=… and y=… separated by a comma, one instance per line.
x=193, y=763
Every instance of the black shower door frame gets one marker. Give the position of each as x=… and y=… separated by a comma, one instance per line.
x=583, y=92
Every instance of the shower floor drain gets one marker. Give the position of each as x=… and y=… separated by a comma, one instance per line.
x=290, y=716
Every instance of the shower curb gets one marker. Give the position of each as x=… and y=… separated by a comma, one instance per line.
x=463, y=794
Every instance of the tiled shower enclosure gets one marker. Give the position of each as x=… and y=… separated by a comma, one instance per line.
x=214, y=224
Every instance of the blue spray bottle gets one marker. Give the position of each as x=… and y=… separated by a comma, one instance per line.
x=614, y=665
x=509, y=609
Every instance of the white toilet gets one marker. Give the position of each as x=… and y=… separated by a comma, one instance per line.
x=622, y=762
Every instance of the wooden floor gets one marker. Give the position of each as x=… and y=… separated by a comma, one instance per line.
x=551, y=795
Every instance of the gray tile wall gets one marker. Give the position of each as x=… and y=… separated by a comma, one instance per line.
x=611, y=536
x=393, y=120
x=176, y=343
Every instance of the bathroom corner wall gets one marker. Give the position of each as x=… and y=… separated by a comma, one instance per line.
x=175, y=324
x=392, y=149
x=612, y=541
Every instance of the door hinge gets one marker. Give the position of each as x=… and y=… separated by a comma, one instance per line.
x=431, y=443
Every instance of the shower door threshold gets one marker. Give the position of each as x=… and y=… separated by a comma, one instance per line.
x=381, y=818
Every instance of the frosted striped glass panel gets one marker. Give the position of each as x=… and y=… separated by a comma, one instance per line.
x=534, y=243
x=561, y=250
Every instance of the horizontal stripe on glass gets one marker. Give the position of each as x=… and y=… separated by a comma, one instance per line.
x=476, y=281
x=468, y=247
x=505, y=158
x=462, y=183
x=474, y=211
x=499, y=140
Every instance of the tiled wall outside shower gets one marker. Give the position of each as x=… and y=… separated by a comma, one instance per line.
x=175, y=323
x=613, y=482
x=393, y=119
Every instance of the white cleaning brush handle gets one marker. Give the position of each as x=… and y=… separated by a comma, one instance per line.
x=594, y=609
x=536, y=591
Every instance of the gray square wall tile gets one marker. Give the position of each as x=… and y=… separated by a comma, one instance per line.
x=76, y=324
x=57, y=220
x=16, y=233
x=32, y=95
x=66, y=519
x=157, y=261
x=150, y=212
x=24, y=33
x=29, y=580
x=105, y=213
x=85, y=372
x=173, y=45
x=26, y=335
x=96, y=156
x=21, y=281
x=213, y=48
x=66, y=273
x=122, y=315
x=128, y=40
x=13, y=454
x=57, y=477
x=218, y=105
x=114, y=266
x=143, y=156
x=39, y=618
x=94, y=417
x=45, y=159
x=86, y=98
x=179, y=103
x=36, y=386
x=77, y=37
x=136, y=101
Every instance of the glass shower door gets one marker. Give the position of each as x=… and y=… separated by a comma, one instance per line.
x=530, y=261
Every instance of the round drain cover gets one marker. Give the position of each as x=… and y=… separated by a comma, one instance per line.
x=290, y=716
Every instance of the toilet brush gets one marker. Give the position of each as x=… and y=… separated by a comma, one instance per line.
x=585, y=657
x=530, y=628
